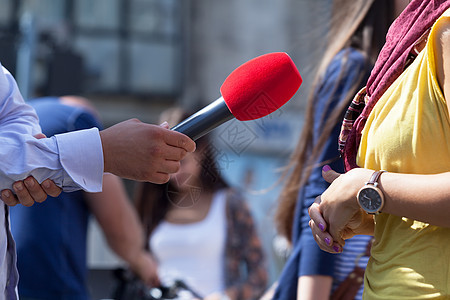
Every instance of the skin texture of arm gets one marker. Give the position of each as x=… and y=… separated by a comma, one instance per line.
x=314, y=287
x=122, y=229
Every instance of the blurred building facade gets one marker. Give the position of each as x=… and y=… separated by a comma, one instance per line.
x=135, y=58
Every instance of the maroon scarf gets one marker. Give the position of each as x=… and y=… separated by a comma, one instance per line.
x=417, y=17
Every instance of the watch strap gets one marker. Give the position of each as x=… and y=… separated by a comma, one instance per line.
x=375, y=176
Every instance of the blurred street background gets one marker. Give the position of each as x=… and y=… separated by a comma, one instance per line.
x=135, y=58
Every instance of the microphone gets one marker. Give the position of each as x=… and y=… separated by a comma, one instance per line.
x=252, y=91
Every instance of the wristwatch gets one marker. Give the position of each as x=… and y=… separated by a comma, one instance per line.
x=370, y=197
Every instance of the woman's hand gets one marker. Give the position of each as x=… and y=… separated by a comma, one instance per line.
x=336, y=215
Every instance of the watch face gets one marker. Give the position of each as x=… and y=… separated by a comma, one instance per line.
x=370, y=199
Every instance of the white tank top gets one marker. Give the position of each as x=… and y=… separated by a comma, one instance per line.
x=193, y=252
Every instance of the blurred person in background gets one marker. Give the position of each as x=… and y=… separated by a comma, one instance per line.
x=357, y=33
x=200, y=231
x=51, y=236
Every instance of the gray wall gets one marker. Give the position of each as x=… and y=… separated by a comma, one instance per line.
x=225, y=34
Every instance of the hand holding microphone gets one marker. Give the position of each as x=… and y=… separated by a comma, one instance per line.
x=252, y=91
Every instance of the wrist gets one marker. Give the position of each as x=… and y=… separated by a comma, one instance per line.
x=104, y=141
x=137, y=261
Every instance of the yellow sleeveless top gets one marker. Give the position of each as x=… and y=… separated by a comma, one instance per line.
x=408, y=131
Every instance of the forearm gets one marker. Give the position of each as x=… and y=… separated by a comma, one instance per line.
x=122, y=228
x=420, y=197
x=128, y=245
x=424, y=198
x=63, y=159
x=117, y=218
x=314, y=287
x=125, y=237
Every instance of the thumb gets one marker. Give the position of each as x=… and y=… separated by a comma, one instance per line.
x=329, y=174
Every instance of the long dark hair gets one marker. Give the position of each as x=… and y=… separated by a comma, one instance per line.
x=361, y=24
x=153, y=201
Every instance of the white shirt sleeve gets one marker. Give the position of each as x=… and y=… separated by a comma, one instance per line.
x=73, y=160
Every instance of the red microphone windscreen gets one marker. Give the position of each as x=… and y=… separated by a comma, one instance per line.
x=261, y=86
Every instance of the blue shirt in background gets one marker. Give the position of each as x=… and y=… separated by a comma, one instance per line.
x=51, y=236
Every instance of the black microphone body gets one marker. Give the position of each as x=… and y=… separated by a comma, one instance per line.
x=205, y=120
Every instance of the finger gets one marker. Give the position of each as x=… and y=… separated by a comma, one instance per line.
x=22, y=194
x=160, y=178
x=337, y=236
x=318, y=199
x=40, y=136
x=174, y=153
x=50, y=188
x=9, y=198
x=347, y=233
x=180, y=140
x=170, y=167
x=164, y=125
x=337, y=248
x=339, y=242
x=34, y=189
x=323, y=239
x=316, y=215
x=328, y=174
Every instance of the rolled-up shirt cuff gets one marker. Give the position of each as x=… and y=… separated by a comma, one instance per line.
x=81, y=156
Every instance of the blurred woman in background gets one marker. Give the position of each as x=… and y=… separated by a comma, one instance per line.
x=200, y=230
